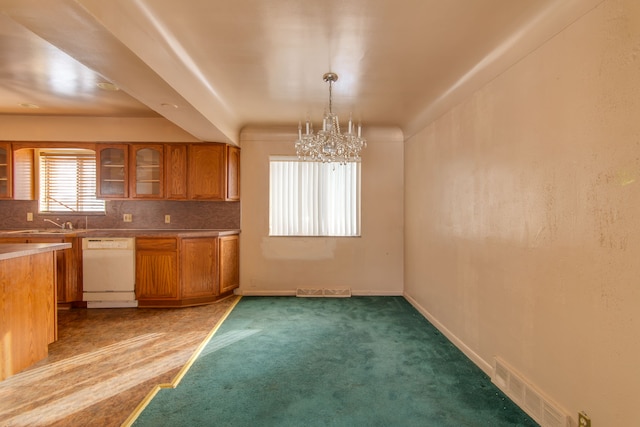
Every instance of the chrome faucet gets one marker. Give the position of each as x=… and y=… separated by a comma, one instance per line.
x=55, y=223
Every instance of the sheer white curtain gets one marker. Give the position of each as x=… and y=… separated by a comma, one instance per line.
x=313, y=198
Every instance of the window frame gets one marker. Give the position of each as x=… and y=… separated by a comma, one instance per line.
x=91, y=182
x=346, y=222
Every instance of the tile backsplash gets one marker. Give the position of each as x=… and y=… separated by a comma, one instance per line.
x=145, y=215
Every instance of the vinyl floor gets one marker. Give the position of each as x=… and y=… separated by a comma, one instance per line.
x=104, y=364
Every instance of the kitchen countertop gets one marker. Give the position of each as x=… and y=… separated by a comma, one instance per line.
x=123, y=232
x=15, y=250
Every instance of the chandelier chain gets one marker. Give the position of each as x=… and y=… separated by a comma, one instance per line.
x=330, y=97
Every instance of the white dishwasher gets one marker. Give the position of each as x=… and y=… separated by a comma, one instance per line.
x=109, y=272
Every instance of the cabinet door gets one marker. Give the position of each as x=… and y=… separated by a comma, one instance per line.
x=233, y=173
x=198, y=258
x=156, y=268
x=229, y=263
x=207, y=172
x=65, y=288
x=147, y=171
x=6, y=185
x=113, y=171
x=176, y=171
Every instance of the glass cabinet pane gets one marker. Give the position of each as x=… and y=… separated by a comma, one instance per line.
x=112, y=172
x=148, y=172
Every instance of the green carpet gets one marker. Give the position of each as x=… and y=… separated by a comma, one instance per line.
x=360, y=361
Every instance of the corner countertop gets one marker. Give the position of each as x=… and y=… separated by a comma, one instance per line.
x=123, y=232
x=16, y=250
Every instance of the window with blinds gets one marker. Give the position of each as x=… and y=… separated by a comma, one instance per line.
x=313, y=198
x=68, y=181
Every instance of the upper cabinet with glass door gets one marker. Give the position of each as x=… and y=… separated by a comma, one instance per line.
x=6, y=185
x=179, y=171
x=113, y=171
x=147, y=171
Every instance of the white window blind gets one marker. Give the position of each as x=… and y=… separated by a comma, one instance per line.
x=313, y=198
x=68, y=182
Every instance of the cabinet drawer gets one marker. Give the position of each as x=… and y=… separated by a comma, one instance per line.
x=156, y=244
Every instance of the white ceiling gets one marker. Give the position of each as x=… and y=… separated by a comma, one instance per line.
x=215, y=66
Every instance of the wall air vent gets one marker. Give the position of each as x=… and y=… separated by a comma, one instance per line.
x=525, y=395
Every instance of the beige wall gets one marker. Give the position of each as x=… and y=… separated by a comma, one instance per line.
x=370, y=264
x=522, y=218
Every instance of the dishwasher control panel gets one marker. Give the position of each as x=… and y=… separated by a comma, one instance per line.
x=107, y=243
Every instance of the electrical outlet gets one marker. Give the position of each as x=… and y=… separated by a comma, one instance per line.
x=29, y=216
x=127, y=218
x=167, y=219
x=583, y=420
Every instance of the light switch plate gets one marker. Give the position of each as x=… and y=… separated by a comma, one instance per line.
x=167, y=219
x=127, y=218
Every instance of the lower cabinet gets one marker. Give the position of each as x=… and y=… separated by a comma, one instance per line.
x=199, y=261
x=68, y=267
x=156, y=269
x=179, y=271
x=229, y=263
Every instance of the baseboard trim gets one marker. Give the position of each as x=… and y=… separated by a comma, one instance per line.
x=292, y=292
x=486, y=367
x=266, y=293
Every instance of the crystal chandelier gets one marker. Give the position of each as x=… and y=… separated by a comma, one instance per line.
x=329, y=144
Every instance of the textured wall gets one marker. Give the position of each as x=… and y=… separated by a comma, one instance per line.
x=523, y=217
x=370, y=264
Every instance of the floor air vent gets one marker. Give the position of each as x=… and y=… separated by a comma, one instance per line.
x=534, y=403
x=333, y=293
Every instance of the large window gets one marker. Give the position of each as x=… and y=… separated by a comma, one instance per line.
x=68, y=181
x=313, y=198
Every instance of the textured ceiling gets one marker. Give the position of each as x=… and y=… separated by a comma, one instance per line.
x=213, y=67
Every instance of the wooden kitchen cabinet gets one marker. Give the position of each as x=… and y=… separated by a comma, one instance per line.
x=201, y=171
x=213, y=172
x=156, y=271
x=229, y=265
x=199, y=259
x=151, y=171
x=197, y=171
x=112, y=171
x=206, y=172
x=6, y=174
x=233, y=173
x=176, y=171
x=24, y=174
x=68, y=265
x=147, y=171
x=185, y=271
